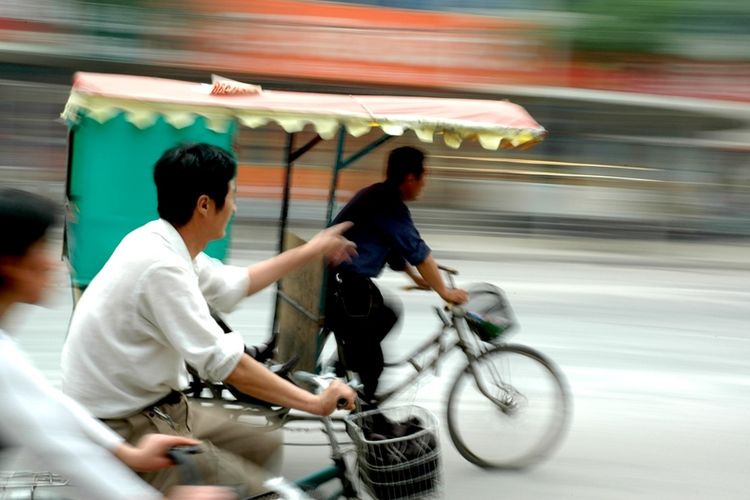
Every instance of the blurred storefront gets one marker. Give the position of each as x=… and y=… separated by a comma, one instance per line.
x=656, y=140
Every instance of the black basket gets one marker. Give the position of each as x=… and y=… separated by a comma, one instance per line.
x=394, y=466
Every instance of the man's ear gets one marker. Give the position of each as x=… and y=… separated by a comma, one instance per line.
x=7, y=270
x=202, y=204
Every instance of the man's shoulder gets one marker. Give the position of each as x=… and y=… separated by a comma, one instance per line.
x=145, y=234
x=370, y=203
x=382, y=196
x=145, y=247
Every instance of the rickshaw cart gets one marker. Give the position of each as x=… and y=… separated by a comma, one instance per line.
x=120, y=125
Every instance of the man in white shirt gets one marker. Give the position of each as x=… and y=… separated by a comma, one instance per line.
x=38, y=418
x=146, y=314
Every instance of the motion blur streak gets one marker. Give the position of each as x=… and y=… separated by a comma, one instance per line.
x=539, y=162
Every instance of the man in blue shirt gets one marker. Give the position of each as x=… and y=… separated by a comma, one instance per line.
x=384, y=233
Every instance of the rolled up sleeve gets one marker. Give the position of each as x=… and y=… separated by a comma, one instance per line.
x=173, y=301
x=395, y=261
x=405, y=238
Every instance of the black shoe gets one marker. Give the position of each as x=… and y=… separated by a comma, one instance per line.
x=262, y=352
x=283, y=369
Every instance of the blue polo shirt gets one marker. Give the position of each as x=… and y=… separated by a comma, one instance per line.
x=383, y=231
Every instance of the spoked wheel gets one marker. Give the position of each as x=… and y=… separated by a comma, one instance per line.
x=508, y=409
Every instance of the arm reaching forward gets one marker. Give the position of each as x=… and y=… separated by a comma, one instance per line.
x=256, y=380
x=431, y=274
x=329, y=243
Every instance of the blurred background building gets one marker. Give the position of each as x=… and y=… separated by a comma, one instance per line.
x=647, y=103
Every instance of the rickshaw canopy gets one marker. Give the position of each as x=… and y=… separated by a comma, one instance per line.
x=142, y=100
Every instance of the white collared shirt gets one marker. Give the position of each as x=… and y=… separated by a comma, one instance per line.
x=61, y=435
x=146, y=314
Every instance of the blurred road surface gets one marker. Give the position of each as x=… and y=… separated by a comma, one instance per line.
x=653, y=337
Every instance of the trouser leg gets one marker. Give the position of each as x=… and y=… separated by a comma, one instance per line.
x=360, y=329
x=257, y=445
x=236, y=459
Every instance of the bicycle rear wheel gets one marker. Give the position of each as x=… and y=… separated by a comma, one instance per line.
x=508, y=409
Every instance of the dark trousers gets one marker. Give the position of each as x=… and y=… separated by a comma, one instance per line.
x=360, y=320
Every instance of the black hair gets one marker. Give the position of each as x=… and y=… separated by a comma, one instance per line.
x=24, y=220
x=402, y=162
x=185, y=172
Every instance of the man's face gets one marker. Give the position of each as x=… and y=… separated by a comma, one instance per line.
x=28, y=276
x=413, y=186
x=220, y=217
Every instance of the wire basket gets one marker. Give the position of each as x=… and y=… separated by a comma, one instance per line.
x=488, y=312
x=26, y=485
x=398, y=452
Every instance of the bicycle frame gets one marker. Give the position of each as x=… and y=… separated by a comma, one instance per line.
x=465, y=340
x=337, y=470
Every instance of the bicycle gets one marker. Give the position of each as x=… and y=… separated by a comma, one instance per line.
x=394, y=467
x=507, y=389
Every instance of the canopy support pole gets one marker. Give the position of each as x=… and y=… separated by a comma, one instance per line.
x=342, y=163
x=296, y=155
x=290, y=156
x=366, y=150
x=289, y=161
x=338, y=162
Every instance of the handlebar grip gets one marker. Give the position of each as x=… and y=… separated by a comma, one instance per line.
x=181, y=455
x=448, y=270
x=342, y=403
x=178, y=452
x=410, y=288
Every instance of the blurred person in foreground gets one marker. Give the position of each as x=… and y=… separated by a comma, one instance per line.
x=36, y=417
x=384, y=233
x=148, y=312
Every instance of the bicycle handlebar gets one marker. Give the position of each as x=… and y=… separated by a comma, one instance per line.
x=182, y=456
x=409, y=288
x=448, y=270
x=321, y=382
x=455, y=309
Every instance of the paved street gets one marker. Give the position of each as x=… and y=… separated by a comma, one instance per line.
x=653, y=338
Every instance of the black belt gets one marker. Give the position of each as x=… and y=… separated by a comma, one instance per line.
x=172, y=398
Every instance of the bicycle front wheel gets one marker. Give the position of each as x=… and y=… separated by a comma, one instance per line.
x=508, y=409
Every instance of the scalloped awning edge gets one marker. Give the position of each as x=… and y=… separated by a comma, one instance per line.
x=218, y=119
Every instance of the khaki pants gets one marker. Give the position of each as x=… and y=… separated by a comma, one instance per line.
x=233, y=454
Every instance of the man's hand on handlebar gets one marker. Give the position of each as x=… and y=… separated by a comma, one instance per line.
x=337, y=395
x=455, y=295
x=200, y=493
x=151, y=451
